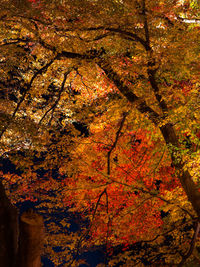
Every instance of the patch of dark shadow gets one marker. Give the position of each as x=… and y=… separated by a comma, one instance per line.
x=47, y=262
x=168, y=240
x=22, y=90
x=51, y=193
x=74, y=92
x=46, y=97
x=135, y=251
x=13, y=187
x=58, y=249
x=184, y=220
x=134, y=141
x=55, y=174
x=21, y=153
x=157, y=184
x=93, y=257
x=41, y=173
x=187, y=142
x=74, y=226
x=52, y=87
x=7, y=166
x=74, y=219
x=82, y=128
x=44, y=174
x=164, y=214
x=39, y=158
x=13, y=97
x=187, y=228
x=26, y=205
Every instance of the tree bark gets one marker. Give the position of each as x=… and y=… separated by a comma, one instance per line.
x=20, y=243
x=31, y=240
x=8, y=230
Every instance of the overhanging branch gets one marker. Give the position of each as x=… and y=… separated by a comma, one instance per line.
x=130, y=96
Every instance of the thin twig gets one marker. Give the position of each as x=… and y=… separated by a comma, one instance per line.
x=40, y=71
x=84, y=235
x=115, y=142
x=52, y=108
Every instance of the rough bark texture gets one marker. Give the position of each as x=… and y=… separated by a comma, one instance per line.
x=31, y=239
x=23, y=249
x=8, y=230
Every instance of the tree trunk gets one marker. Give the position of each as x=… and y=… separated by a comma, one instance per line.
x=8, y=230
x=184, y=176
x=31, y=240
x=23, y=249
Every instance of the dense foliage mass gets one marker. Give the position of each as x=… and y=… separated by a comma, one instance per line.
x=100, y=115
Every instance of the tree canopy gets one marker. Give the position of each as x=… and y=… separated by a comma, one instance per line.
x=100, y=115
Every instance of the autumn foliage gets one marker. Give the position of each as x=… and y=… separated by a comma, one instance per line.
x=100, y=117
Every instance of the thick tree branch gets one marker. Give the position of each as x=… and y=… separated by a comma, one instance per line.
x=15, y=41
x=151, y=70
x=125, y=90
x=131, y=35
x=146, y=28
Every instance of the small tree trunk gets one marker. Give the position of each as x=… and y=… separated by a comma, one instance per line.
x=8, y=230
x=31, y=240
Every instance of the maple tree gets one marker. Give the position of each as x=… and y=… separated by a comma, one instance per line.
x=107, y=92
